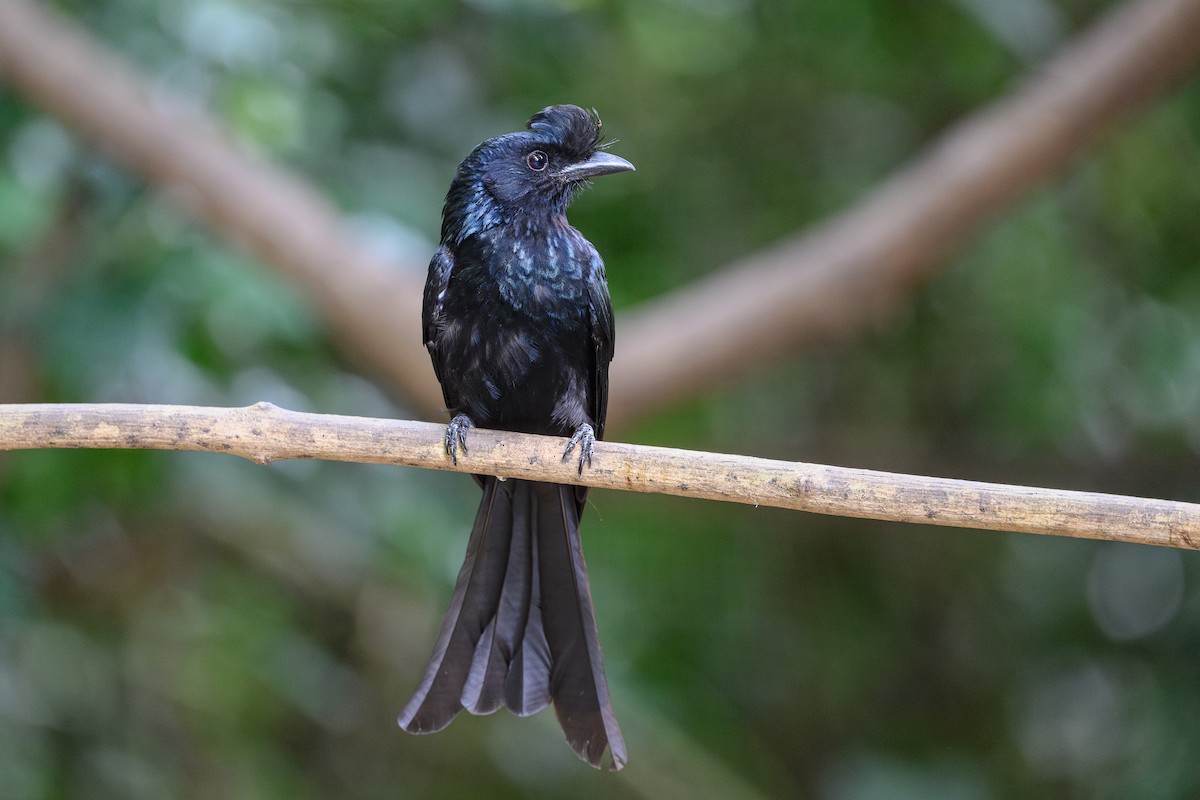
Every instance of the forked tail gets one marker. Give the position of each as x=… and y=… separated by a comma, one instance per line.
x=520, y=631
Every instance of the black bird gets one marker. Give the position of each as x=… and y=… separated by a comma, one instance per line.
x=517, y=320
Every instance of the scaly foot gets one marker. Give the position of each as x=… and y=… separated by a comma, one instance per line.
x=456, y=436
x=585, y=437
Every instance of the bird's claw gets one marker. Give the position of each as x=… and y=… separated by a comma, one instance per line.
x=456, y=436
x=585, y=438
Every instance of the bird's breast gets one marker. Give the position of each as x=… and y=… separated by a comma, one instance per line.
x=540, y=275
x=514, y=332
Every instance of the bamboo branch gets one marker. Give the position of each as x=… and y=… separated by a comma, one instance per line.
x=265, y=433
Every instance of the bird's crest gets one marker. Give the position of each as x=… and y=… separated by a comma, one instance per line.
x=575, y=130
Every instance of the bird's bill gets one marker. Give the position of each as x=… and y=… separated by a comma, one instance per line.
x=599, y=163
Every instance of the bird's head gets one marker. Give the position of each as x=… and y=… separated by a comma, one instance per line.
x=534, y=172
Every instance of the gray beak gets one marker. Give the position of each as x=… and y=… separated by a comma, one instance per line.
x=600, y=163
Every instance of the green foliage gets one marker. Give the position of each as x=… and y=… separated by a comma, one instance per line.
x=184, y=625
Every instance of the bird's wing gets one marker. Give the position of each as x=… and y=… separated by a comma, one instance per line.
x=600, y=321
x=433, y=310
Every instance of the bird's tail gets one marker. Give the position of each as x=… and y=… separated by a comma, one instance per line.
x=520, y=631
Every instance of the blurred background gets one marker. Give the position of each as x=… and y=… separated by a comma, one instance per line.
x=192, y=625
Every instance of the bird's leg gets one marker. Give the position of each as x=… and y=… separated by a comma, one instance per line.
x=585, y=437
x=456, y=436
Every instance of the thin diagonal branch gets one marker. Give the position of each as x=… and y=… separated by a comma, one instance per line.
x=372, y=306
x=265, y=433
x=844, y=274
x=825, y=283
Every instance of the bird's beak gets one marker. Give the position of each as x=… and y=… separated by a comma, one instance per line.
x=599, y=163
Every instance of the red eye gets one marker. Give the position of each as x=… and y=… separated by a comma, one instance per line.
x=537, y=160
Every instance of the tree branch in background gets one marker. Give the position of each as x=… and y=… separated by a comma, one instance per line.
x=829, y=282
x=844, y=274
x=265, y=433
x=372, y=307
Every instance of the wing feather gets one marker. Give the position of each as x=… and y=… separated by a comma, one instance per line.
x=433, y=313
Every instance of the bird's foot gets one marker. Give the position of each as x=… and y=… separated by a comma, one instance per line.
x=456, y=436
x=585, y=438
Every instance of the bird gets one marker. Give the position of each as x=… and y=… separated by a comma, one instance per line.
x=517, y=320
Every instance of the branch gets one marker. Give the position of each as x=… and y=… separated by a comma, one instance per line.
x=826, y=283
x=847, y=272
x=370, y=305
x=265, y=433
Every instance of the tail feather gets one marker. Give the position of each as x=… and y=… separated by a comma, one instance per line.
x=577, y=680
x=472, y=608
x=527, y=684
x=504, y=636
x=520, y=630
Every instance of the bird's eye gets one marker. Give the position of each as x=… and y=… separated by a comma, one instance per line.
x=537, y=160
